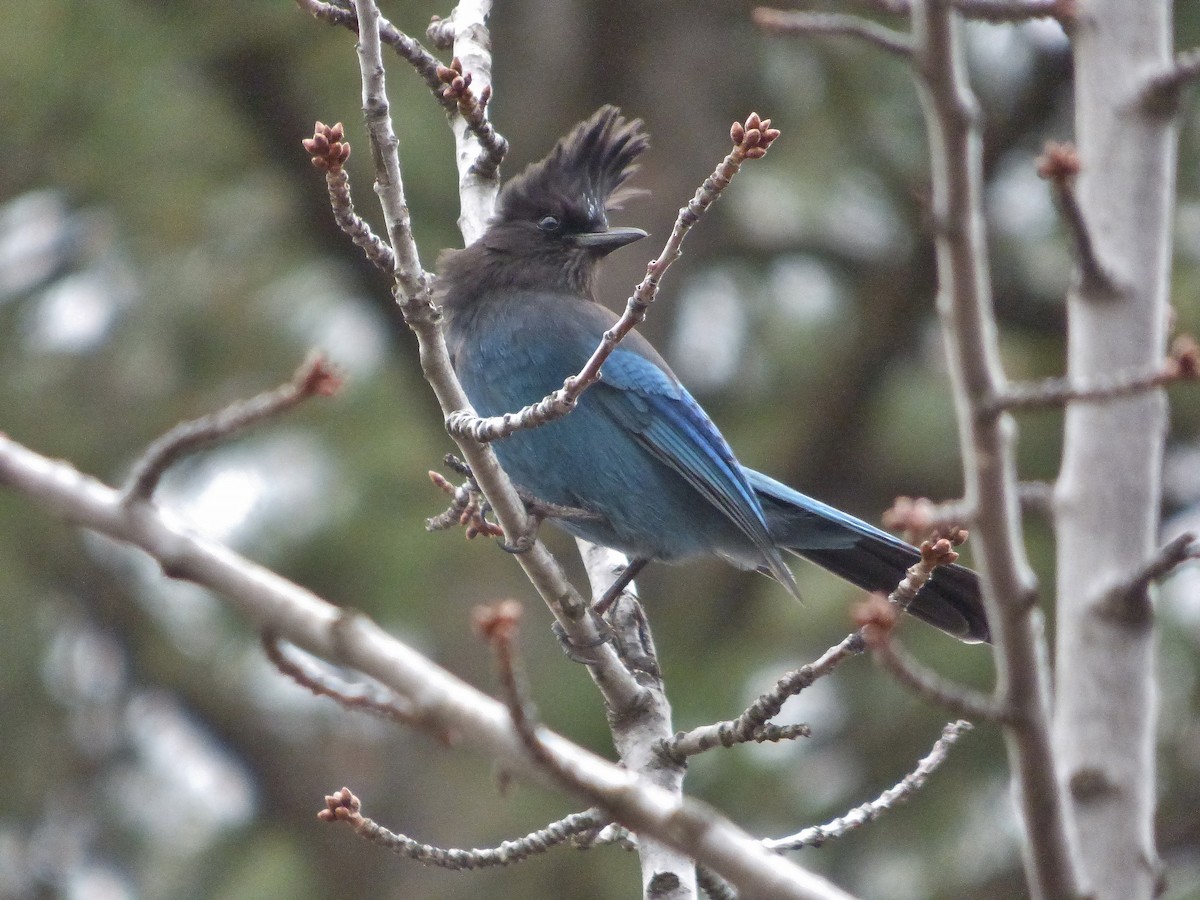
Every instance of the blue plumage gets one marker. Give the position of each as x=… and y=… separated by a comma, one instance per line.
x=639, y=459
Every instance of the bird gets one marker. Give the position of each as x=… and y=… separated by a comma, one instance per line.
x=637, y=465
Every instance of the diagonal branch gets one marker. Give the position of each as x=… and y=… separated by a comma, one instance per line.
x=1059, y=164
x=754, y=720
x=344, y=806
x=888, y=800
x=315, y=377
x=1162, y=92
x=448, y=704
x=794, y=22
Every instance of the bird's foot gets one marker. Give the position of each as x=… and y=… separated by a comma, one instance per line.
x=583, y=653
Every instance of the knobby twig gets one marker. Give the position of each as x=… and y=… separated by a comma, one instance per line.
x=1163, y=91
x=408, y=48
x=888, y=800
x=315, y=377
x=467, y=508
x=344, y=806
x=794, y=22
x=457, y=87
x=1059, y=164
x=934, y=553
x=762, y=710
x=329, y=151
x=750, y=141
x=1182, y=364
x=298, y=616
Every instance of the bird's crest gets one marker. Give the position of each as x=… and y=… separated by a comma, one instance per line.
x=584, y=172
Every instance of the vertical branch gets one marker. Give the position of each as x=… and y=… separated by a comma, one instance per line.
x=969, y=330
x=1108, y=492
x=472, y=45
x=412, y=291
x=667, y=874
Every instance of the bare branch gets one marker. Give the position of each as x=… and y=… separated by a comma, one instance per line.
x=298, y=616
x=1163, y=92
x=754, y=720
x=750, y=141
x=931, y=686
x=457, y=87
x=344, y=806
x=1183, y=364
x=440, y=32
x=408, y=48
x=1129, y=601
x=1000, y=11
x=329, y=151
x=357, y=697
x=793, y=22
x=888, y=800
x=315, y=377
x=1059, y=164
x=989, y=464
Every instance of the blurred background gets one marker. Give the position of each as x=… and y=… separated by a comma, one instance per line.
x=166, y=248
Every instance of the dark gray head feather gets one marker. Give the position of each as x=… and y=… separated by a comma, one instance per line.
x=581, y=175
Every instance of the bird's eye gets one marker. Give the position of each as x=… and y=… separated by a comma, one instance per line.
x=549, y=224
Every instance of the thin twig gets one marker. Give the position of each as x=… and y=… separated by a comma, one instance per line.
x=1183, y=364
x=408, y=48
x=457, y=87
x=794, y=22
x=889, y=799
x=762, y=710
x=344, y=806
x=750, y=141
x=329, y=151
x=1059, y=164
x=396, y=708
x=931, y=686
x=315, y=377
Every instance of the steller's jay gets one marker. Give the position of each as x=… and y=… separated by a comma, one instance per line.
x=638, y=464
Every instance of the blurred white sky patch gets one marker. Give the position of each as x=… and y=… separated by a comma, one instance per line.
x=35, y=241
x=710, y=329
x=181, y=790
x=277, y=487
x=313, y=304
x=853, y=214
x=1001, y=55
x=804, y=290
x=72, y=257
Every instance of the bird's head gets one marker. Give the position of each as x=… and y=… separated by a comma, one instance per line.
x=552, y=219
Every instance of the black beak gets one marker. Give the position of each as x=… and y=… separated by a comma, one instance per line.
x=604, y=242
